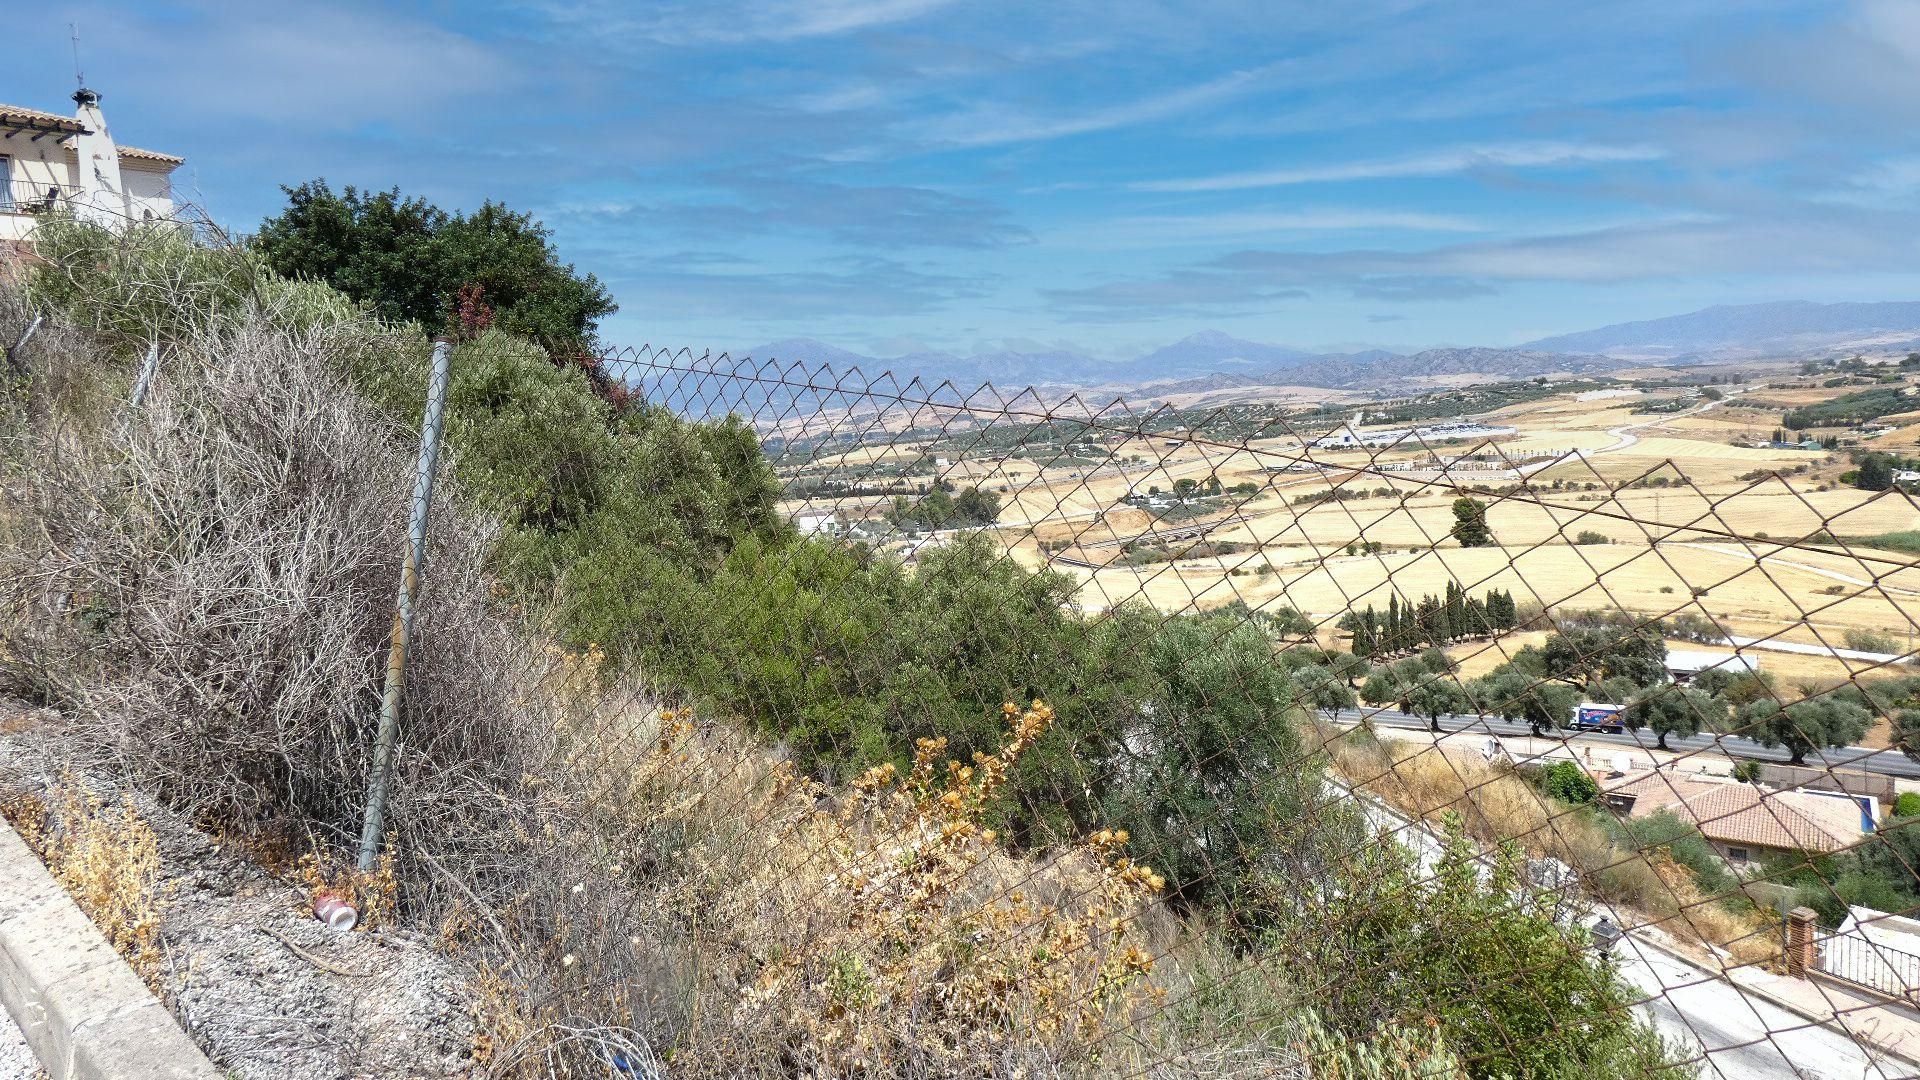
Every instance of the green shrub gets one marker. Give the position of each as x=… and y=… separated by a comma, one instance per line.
x=1907, y=805
x=1681, y=839
x=1568, y=782
x=1409, y=940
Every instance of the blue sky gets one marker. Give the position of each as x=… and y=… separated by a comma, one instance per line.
x=890, y=175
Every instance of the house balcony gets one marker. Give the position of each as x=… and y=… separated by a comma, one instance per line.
x=22, y=201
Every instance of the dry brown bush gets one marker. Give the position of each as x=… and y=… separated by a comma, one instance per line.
x=107, y=857
x=204, y=588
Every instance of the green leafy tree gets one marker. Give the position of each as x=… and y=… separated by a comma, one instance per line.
x=1875, y=473
x=1397, y=943
x=1674, y=710
x=1511, y=693
x=976, y=507
x=1434, y=697
x=1470, y=522
x=1736, y=688
x=1906, y=732
x=1322, y=688
x=407, y=259
x=1588, y=655
x=1805, y=725
x=1217, y=779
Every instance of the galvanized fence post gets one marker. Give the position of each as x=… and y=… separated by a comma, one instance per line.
x=147, y=369
x=16, y=361
x=404, y=609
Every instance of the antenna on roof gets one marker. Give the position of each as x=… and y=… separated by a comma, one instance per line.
x=82, y=97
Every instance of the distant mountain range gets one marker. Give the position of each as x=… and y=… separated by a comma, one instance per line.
x=1746, y=330
x=1211, y=360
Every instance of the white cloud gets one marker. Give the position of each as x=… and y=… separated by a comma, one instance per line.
x=1256, y=222
x=334, y=68
x=1433, y=163
x=995, y=125
x=722, y=23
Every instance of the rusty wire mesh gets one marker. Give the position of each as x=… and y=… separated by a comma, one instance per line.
x=1035, y=735
x=1307, y=529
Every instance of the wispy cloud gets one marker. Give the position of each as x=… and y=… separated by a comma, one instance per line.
x=230, y=61
x=999, y=124
x=749, y=295
x=886, y=215
x=1198, y=228
x=711, y=23
x=1836, y=240
x=1434, y=163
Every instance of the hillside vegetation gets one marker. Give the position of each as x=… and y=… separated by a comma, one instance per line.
x=690, y=794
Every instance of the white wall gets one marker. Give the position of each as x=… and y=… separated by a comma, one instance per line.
x=33, y=166
x=149, y=191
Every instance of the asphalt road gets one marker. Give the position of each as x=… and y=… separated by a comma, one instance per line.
x=1886, y=762
x=1739, y=1035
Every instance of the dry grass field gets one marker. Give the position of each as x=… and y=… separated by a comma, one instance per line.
x=1703, y=528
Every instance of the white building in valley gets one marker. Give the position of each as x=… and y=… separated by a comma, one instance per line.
x=50, y=162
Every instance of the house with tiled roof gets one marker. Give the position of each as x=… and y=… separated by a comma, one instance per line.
x=1745, y=821
x=50, y=162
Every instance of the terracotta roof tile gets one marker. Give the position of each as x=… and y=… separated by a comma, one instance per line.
x=1734, y=813
x=138, y=154
x=21, y=116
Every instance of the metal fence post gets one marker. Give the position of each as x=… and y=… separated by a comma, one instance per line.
x=16, y=362
x=404, y=608
x=147, y=369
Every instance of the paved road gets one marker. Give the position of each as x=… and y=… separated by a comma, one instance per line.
x=1738, y=1034
x=1887, y=762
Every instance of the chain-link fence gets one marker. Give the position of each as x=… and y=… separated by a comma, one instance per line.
x=1634, y=644
x=766, y=719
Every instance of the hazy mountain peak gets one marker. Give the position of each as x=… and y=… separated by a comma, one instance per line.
x=1735, y=330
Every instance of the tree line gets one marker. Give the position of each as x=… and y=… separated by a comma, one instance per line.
x=1431, y=621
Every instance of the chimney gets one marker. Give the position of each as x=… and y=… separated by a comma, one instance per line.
x=100, y=196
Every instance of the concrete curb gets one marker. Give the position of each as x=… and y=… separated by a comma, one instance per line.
x=1830, y=1022
x=84, y=1012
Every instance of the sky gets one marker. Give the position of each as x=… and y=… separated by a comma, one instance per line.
x=898, y=175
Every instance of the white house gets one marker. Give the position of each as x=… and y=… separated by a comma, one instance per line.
x=49, y=161
x=813, y=522
x=1684, y=664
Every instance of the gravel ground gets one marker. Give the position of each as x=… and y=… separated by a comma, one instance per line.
x=16, y=1061
x=357, y=1004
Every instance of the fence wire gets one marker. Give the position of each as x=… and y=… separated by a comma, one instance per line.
x=804, y=722
x=1447, y=604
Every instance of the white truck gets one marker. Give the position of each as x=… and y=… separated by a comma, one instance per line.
x=1599, y=716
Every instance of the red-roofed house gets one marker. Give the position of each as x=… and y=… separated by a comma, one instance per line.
x=1743, y=821
x=49, y=161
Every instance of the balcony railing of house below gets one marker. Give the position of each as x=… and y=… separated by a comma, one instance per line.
x=33, y=196
x=1873, y=964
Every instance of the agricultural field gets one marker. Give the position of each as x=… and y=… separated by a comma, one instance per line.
x=1646, y=495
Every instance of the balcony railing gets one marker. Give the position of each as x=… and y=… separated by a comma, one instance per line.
x=33, y=196
x=1873, y=964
